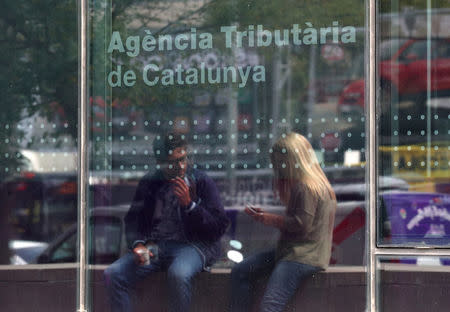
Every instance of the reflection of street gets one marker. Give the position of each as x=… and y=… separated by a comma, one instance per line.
x=348, y=237
x=401, y=210
x=413, y=73
x=412, y=65
x=349, y=229
x=252, y=186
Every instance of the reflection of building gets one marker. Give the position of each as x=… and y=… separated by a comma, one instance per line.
x=415, y=23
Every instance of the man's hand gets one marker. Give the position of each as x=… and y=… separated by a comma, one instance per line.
x=265, y=218
x=140, y=258
x=181, y=190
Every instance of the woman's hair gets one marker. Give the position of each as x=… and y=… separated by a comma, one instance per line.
x=294, y=161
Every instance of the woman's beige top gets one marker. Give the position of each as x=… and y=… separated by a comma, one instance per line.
x=308, y=229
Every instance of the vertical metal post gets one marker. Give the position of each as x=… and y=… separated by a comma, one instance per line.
x=82, y=154
x=372, y=155
x=428, y=99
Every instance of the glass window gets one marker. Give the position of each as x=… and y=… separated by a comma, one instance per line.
x=231, y=77
x=232, y=84
x=38, y=126
x=413, y=125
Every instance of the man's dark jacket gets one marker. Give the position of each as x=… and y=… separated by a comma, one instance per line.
x=204, y=225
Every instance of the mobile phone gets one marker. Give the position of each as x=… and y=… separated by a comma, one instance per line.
x=252, y=208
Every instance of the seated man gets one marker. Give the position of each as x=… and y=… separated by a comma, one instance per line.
x=178, y=210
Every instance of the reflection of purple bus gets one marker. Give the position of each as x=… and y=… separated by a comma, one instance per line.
x=418, y=218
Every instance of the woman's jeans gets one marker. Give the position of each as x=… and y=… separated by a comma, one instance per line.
x=285, y=278
x=182, y=262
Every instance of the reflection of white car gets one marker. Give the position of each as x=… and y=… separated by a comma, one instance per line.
x=25, y=252
x=49, y=160
x=107, y=233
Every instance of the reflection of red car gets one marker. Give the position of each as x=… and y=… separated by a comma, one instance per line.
x=41, y=204
x=403, y=72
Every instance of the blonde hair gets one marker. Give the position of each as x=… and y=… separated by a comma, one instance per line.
x=294, y=161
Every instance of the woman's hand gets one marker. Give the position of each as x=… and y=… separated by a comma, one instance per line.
x=265, y=218
x=254, y=212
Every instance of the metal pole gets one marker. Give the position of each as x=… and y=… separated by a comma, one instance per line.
x=428, y=99
x=82, y=157
x=372, y=155
x=416, y=252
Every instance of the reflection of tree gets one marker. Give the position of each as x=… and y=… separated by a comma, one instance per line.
x=166, y=18
x=131, y=18
x=284, y=13
x=38, y=65
x=40, y=39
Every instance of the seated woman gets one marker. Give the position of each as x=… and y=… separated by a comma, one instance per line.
x=306, y=228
